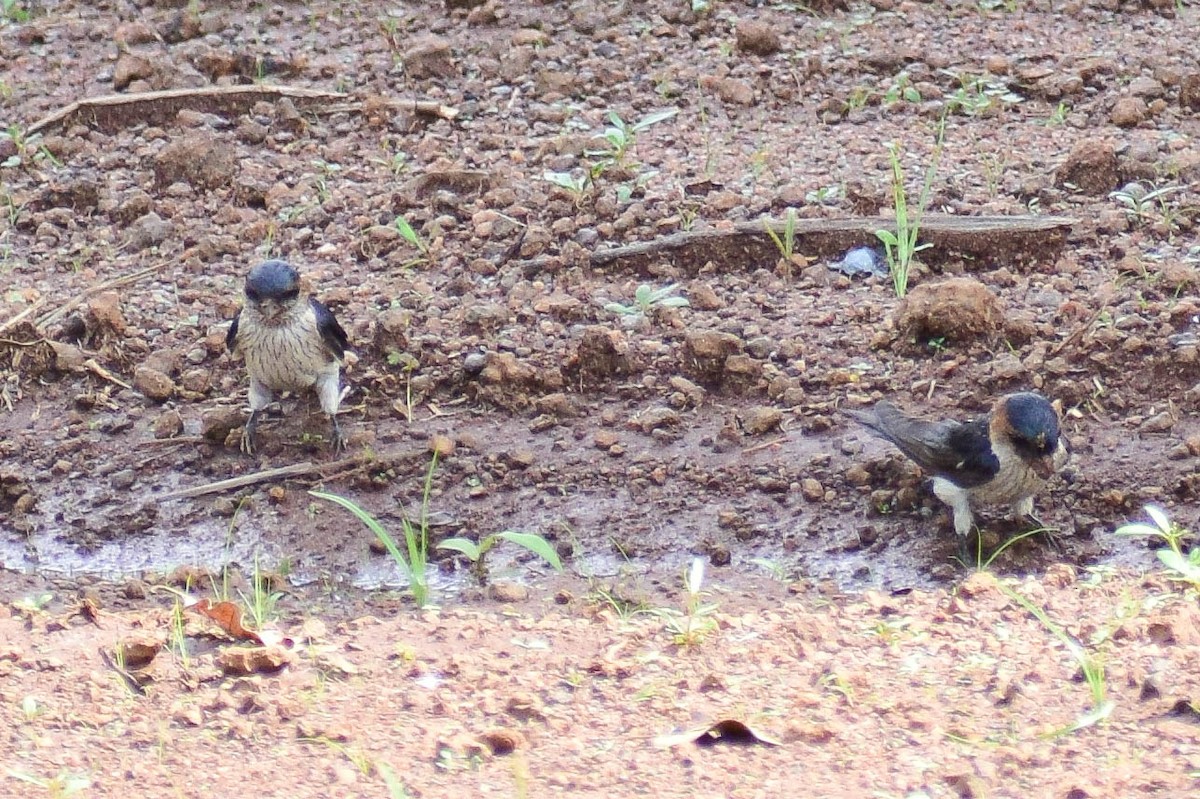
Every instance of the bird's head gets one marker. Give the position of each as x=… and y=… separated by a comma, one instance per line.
x=273, y=289
x=1030, y=424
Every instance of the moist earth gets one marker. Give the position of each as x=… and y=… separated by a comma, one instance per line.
x=553, y=166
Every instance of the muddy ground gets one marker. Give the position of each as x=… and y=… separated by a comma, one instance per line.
x=633, y=441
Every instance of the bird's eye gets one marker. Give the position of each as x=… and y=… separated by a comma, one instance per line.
x=252, y=295
x=291, y=295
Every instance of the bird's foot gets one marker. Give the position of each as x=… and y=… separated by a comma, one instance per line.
x=1051, y=534
x=247, y=444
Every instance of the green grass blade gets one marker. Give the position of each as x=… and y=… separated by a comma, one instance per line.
x=373, y=525
x=464, y=546
x=535, y=544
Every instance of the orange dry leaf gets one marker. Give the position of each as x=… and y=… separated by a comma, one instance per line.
x=229, y=617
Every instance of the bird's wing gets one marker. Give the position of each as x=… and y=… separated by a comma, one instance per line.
x=959, y=451
x=231, y=336
x=331, y=332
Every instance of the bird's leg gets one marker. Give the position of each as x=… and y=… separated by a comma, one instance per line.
x=339, y=440
x=260, y=397
x=1022, y=511
x=248, y=433
x=330, y=393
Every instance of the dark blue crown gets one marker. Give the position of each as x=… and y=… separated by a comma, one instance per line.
x=1032, y=418
x=272, y=280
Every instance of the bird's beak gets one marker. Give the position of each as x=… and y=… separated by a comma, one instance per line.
x=270, y=309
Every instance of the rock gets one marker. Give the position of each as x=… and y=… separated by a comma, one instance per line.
x=1128, y=112
x=131, y=67
x=104, y=315
x=1091, y=166
x=757, y=37
x=505, y=591
x=1159, y=423
x=762, y=419
x=960, y=308
x=1189, y=92
x=129, y=34
x=429, y=57
x=133, y=205
x=217, y=423
x=148, y=231
x=655, y=419
x=485, y=317
x=167, y=425
x=703, y=298
x=153, y=384
x=705, y=353
x=243, y=660
x=812, y=490
x=201, y=160
x=601, y=355
x=735, y=91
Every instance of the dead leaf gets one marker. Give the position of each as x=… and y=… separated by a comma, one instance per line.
x=728, y=731
x=229, y=617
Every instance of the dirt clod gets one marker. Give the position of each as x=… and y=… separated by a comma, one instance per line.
x=1091, y=166
x=956, y=309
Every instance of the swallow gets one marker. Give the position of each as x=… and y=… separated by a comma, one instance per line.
x=290, y=343
x=1003, y=458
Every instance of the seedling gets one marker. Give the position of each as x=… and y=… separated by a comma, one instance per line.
x=416, y=536
x=1059, y=115
x=61, y=786
x=1181, y=567
x=262, y=600
x=786, y=244
x=477, y=552
x=695, y=622
x=645, y=298
x=575, y=184
x=620, y=137
x=826, y=195
x=901, y=90
x=977, y=94
x=1139, y=200
x=13, y=11
x=901, y=246
x=409, y=234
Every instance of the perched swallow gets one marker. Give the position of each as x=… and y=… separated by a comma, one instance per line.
x=290, y=343
x=1003, y=458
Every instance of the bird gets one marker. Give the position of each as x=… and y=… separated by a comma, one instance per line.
x=289, y=343
x=1005, y=457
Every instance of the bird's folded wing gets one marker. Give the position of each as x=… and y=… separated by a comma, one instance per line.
x=331, y=332
x=959, y=451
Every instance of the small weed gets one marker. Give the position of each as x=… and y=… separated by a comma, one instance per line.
x=13, y=11
x=620, y=137
x=622, y=606
x=695, y=622
x=857, y=99
x=31, y=708
x=901, y=246
x=177, y=642
x=260, y=605
x=786, y=244
x=901, y=90
x=1091, y=664
x=1181, y=567
x=646, y=298
x=977, y=95
x=416, y=536
x=1141, y=201
x=409, y=234
x=826, y=195
x=477, y=552
x=60, y=786
x=574, y=184
x=408, y=364
x=1059, y=115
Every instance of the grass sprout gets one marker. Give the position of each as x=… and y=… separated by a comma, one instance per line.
x=690, y=626
x=416, y=536
x=900, y=246
x=477, y=552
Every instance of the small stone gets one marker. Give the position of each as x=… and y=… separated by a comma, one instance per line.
x=217, y=423
x=757, y=37
x=812, y=490
x=735, y=91
x=153, y=384
x=505, y=591
x=1091, y=166
x=149, y=230
x=762, y=419
x=604, y=439
x=1159, y=423
x=959, y=308
x=857, y=475
x=655, y=419
x=1129, y=112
